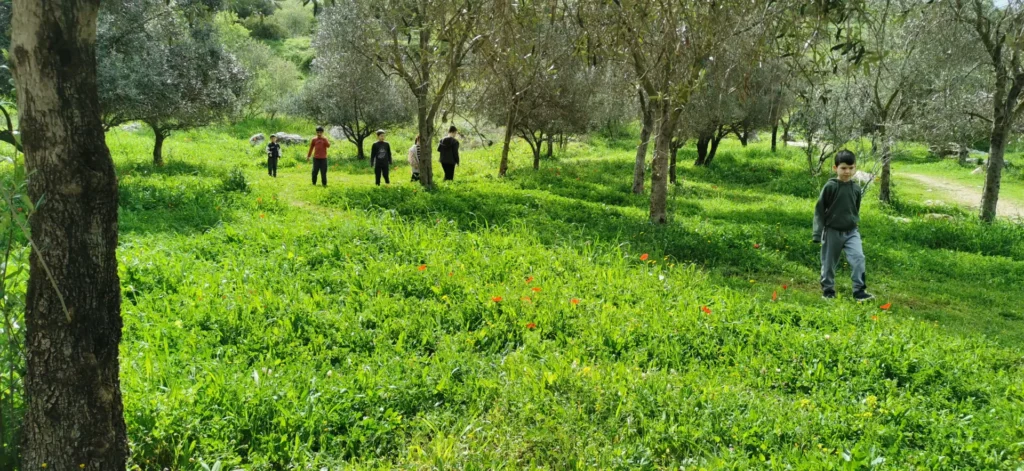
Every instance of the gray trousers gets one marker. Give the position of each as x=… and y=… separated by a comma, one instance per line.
x=833, y=244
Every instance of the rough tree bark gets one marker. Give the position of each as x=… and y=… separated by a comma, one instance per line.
x=1007, y=92
x=775, y=135
x=885, y=179
x=647, y=120
x=158, y=145
x=509, y=127
x=74, y=415
x=666, y=123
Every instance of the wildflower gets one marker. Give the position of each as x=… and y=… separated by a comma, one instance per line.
x=535, y=289
x=785, y=287
x=422, y=267
x=706, y=310
x=885, y=307
x=643, y=258
x=259, y=200
x=775, y=295
x=874, y=318
x=827, y=336
x=574, y=301
x=526, y=298
x=496, y=299
x=261, y=216
x=531, y=325
x=757, y=246
x=529, y=279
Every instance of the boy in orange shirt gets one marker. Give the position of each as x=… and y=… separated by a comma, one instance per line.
x=318, y=149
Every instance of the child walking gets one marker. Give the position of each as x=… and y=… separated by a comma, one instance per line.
x=414, y=160
x=318, y=149
x=836, y=217
x=380, y=158
x=273, y=153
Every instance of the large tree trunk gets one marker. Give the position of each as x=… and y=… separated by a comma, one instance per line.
x=672, y=165
x=717, y=139
x=647, y=118
x=536, y=159
x=509, y=123
x=885, y=180
x=360, y=152
x=702, y=149
x=158, y=146
x=666, y=124
x=74, y=416
x=775, y=135
x=425, y=151
x=993, y=176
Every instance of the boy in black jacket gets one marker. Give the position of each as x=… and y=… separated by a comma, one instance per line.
x=836, y=217
x=449, y=153
x=273, y=153
x=380, y=158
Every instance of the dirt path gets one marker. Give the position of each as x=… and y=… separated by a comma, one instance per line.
x=966, y=195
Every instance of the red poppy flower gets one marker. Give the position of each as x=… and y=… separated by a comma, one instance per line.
x=574, y=301
x=422, y=267
x=529, y=279
x=706, y=310
x=531, y=325
x=757, y=246
x=775, y=295
x=535, y=289
x=496, y=299
x=643, y=258
x=785, y=287
x=885, y=307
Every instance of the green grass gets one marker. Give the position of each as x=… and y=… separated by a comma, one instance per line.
x=278, y=325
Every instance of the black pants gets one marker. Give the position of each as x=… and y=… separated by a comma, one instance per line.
x=320, y=165
x=385, y=171
x=272, y=166
x=449, y=171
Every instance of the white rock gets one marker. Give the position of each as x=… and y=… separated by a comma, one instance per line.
x=256, y=139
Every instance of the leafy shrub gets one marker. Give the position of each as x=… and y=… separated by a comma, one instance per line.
x=235, y=181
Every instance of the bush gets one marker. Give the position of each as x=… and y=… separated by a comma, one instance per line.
x=295, y=19
x=235, y=181
x=266, y=30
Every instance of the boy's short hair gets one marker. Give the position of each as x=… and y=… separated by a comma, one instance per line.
x=452, y=129
x=273, y=136
x=319, y=129
x=380, y=131
x=845, y=157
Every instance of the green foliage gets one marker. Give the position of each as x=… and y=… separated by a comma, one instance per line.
x=355, y=327
x=260, y=28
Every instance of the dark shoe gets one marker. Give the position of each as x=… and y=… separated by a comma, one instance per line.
x=862, y=296
x=828, y=295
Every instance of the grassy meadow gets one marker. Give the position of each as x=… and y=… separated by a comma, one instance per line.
x=540, y=322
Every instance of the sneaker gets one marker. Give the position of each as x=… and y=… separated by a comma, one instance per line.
x=828, y=295
x=862, y=296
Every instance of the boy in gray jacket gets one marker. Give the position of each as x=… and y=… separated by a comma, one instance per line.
x=836, y=217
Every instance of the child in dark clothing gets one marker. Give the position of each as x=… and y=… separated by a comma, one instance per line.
x=449, y=153
x=836, y=217
x=273, y=153
x=380, y=158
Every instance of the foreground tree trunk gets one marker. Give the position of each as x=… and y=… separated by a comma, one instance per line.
x=775, y=135
x=659, y=165
x=647, y=119
x=509, y=125
x=672, y=165
x=74, y=416
x=426, y=150
x=360, y=151
x=158, y=145
x=885, y=180
x=993, y=176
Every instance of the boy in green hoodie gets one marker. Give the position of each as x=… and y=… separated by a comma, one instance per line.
x=836, y=217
